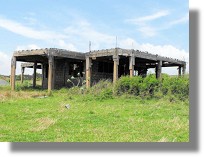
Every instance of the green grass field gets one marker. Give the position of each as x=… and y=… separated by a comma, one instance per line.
x=28, y=116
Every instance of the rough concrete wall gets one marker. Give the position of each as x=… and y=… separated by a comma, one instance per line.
x=97, y=76
x=62, y=75
x=60, y=71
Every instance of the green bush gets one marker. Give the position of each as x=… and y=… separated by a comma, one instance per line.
x=178, y=86
x=137, y=86
x=105, y=94
x=102, y=90
x=165, y=86
x=128, y=85
x=171, y=87
x=149, y=86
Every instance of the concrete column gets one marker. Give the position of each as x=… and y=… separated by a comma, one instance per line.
x=115, y=68
x=43, y=73
x=179, y=70
x=88, y=72
x=158, y=69
x=22, y=74
x=155, y=71
x=84, y=69
x=50, y=73
x=131, y=65
x=184, y=69
x=53, y=73
x=45, y=76
x=34, y=74
x=13, y=73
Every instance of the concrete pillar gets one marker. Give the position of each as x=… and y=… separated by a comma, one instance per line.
x=22, y=74
x=84, y=69
x=50, y=73
x=179, y=70
x=34, y=74
x=88, y=72
x=184, y=69
x=115, y=67
x=158, y=69
x=131, y=65
x=13, y=73
x=155, y=71
x=43, y=73
x=45, y=76
x=53, y=73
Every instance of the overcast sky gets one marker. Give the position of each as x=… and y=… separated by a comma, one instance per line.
x=158, y=26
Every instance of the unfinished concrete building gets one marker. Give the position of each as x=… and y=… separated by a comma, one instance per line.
x=60, y=65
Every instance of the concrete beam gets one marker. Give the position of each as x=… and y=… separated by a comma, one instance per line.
x=55, y=52
x=30, y=65
x=67, y=54
x=101, y=53
x=30, y=52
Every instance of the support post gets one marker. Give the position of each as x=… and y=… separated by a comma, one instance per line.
x=84, y=70
x=179, y=70
x=158, y=69
x=43, y=73
x=184, y=69
x=131, y=65
x=22, y=74
x=34, y=74
x=53, y=73
x=13, y=73
x=115, y=68
x=50, y=73
x=88, y=72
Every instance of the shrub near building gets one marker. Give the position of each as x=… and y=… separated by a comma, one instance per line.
x=150, y=87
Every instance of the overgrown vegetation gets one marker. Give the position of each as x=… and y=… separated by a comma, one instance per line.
x=150, y=87
x=171, y=87
x=133, y=110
